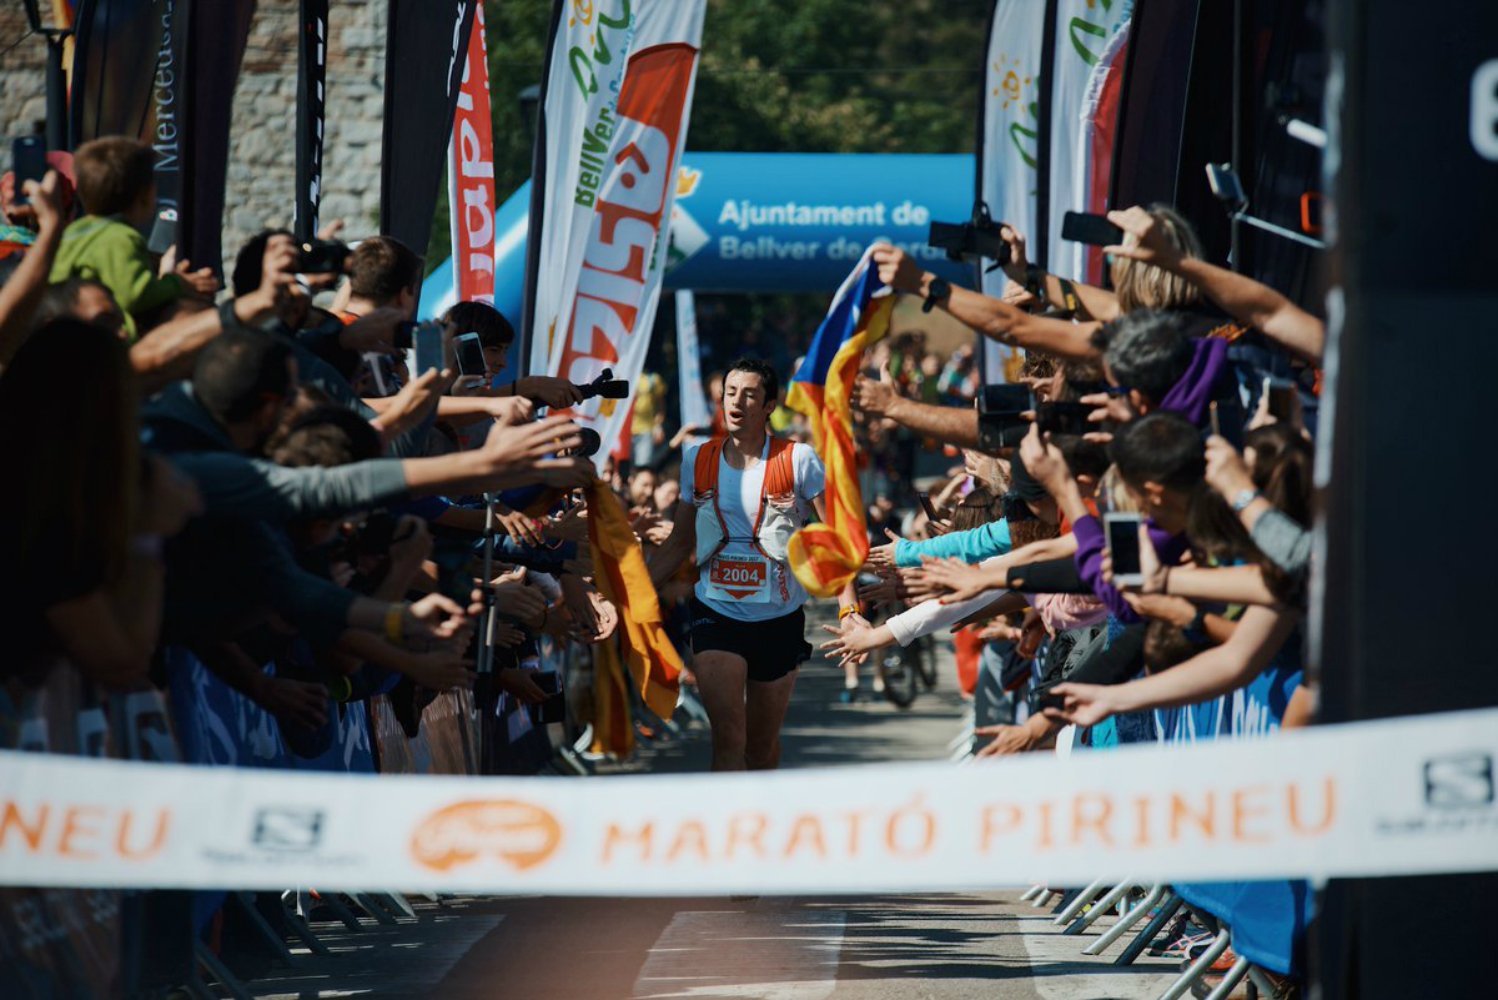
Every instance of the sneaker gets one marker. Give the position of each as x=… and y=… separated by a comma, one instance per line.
x=847, y=695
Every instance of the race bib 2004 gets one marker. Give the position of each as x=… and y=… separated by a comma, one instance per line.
x=740, y=578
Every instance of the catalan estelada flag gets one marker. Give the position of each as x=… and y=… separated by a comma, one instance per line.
x=826, y=556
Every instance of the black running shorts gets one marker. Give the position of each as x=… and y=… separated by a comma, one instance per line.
x=772, y=648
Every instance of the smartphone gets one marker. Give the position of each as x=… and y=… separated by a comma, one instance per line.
x=1064, y=418
x=404, y=330
x=554, y=708
x=925, y=501
x=1042, y=700
x=999, y=422
x=163, y=230
x=428, y=341
x=1123, y=547
x=29, y=157
x=1225, y=185
x=470, y=354
x=1094, y=230
x=1282, y=398
x=1006, y=398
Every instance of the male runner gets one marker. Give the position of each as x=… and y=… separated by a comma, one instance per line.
x=743, y=496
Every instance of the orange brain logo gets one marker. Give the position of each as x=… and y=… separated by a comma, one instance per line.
x=520, y=834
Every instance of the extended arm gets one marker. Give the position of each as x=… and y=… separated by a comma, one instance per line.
x=19, y=296
x=974, y=545
x=678, y=546
x=1246, y=300
x=1260, y=634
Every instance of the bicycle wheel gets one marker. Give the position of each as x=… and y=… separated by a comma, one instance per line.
x=924, y=653
x=900, y=682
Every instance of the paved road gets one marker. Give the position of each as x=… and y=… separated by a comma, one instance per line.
x=863, y=948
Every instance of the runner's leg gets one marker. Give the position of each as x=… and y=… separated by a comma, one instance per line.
x=767, y=703
x=721, y=676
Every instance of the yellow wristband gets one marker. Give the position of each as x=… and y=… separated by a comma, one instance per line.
x=848, y=609
x=395, y=623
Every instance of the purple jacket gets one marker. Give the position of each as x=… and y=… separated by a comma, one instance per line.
x=1090, y=544
x=1189, y=397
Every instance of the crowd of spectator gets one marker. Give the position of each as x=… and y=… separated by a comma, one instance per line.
x=253, y=477
x=1198, y=389
x=253, y=480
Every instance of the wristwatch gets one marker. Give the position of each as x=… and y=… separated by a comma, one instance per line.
x=940, y=289
x=1243, y=498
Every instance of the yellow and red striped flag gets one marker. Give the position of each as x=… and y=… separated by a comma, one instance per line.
x=826, y=556
x=652, y=662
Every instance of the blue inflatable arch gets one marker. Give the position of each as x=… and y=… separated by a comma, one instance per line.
x=767, y=222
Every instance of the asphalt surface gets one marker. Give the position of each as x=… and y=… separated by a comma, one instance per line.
x=935, y=946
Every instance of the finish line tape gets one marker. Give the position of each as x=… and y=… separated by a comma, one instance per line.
x=1395, y=797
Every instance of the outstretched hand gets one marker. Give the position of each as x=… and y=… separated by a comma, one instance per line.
x=1144, y=239
x=961, y=581
x=876, y=396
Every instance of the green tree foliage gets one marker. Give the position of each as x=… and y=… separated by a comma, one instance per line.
x=852, y=76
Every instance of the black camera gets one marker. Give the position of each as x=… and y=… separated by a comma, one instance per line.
x=605, y=385
x=590, y=444
x=977, y=238
x=1064, y=418
x=1000, y=423
x=322, y=257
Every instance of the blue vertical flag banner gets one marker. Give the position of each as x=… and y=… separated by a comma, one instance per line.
x=695, y=410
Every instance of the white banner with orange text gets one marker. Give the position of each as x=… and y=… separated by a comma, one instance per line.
x=618, y=100
x=1395, y=797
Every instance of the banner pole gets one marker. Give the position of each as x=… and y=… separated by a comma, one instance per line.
x=311, y=109
x=538, y=203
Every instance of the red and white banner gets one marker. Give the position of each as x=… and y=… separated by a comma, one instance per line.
x=614, y=132
x=1093, y=174
x=470, y=176
x=1087, y=65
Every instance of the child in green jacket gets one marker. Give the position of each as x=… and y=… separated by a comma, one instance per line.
x=117, y=186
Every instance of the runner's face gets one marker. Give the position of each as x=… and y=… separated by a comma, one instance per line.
x=744, y=404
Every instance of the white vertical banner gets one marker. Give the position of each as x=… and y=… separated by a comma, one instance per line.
x=695, y=411
x=1085, y=31
x=1093, y=175
x=617, y=104
x=1010, y=146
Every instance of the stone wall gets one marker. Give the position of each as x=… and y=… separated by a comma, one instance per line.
x=262, y=163
x=23, y=67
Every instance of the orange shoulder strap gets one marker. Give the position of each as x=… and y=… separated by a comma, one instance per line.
x=705, y=469
x=780, y=476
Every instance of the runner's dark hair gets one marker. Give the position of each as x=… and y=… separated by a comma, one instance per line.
x=766, y=373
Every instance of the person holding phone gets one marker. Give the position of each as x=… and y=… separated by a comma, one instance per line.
x=21, y=294
x=1159, y=459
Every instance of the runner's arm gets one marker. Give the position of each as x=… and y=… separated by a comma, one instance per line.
x=848, y=596
x=681, y=543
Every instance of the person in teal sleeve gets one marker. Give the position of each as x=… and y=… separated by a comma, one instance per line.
x=975, y=545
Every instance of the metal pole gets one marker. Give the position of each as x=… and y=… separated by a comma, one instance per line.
x=486, y=634
x=57, y=93
x=1237, y=121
